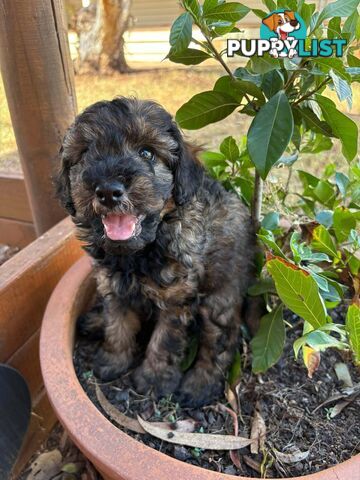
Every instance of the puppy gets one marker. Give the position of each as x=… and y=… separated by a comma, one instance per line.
x=171, y=248
x=282, y=24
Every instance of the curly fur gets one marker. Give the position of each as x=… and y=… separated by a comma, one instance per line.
x=191, y=264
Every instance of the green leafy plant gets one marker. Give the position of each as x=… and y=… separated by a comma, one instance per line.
x=311, y=241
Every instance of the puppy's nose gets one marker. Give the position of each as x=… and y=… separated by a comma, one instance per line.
x=294, y=23
x=109, y=193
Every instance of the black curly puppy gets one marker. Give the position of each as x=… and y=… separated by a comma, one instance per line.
x=169, y=244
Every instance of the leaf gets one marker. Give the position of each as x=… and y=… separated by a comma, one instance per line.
x=190, y=56
x=324, y=192
x=229, y=12
x=238, y=88
x=242, y=73
x=258, y=431
x=209, y=5
x=235, y=372
x=342, y=88
x=294, y=457
x=263, y=64
x=272, y=82
x=353, y=329
x=115, y=415
x=270, y=133
x=271, y=221
x=333, y=64
x=343, y=374
x=205, y=108
x=181, y=31
x=193, y=7
x=343, y=221
x=312, y=122
x=270, y=4
x=268, y=343
x=197, y=440
x=325, y=217
x=342, y=182
x=268, y=238
x=264, y=285
x=230, y=149
x=340, y=8
x=323, y=242
x=311, y=360
x=342, y=126
x=298, y=290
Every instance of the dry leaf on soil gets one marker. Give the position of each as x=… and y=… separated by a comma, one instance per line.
x=197, y=440
x=293, y=457
x=187, y=425
x=258, y=431
x=46, y=466
x=343, y=374
x=118, y=417
x=234, y=454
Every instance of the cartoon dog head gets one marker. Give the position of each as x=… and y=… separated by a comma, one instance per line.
x=282, y=23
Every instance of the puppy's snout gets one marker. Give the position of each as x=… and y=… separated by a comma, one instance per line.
x=109, y=193
x=294, y=23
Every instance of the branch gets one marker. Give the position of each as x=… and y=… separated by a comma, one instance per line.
x=309, y=94
x=221, y=61
x=257, y=200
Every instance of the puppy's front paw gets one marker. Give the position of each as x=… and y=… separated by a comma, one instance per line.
x=161, y=381
x=198, y=388
x=109, y=366
x=274, y=53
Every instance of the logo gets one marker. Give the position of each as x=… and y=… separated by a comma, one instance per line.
x=283, y=34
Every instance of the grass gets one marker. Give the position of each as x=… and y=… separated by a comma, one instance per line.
x=169, y=87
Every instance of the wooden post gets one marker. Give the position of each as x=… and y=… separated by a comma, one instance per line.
x=39, y=83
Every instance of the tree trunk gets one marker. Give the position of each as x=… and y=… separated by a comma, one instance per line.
x=101, y=31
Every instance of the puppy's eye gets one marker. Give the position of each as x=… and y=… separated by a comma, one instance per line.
x=146, y=154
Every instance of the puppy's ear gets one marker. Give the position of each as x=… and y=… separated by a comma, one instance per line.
x=188, y=171
x=62, y=184
x=270, y=22
x=290, y=14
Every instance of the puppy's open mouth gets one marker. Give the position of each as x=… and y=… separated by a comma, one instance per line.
x=121, y=226
x=284, y=35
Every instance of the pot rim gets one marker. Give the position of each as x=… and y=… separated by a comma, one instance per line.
x=112, y=451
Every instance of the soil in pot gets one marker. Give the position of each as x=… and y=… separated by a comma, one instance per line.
x=301, y=435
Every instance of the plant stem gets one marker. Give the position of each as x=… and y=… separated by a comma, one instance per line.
x=257, y=200
x=309, y=94
x=221, y=61
x=292, y=77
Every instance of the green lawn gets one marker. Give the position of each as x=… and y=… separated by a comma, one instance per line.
x=171, y=88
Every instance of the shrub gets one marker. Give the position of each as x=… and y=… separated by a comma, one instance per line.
x=311, y=246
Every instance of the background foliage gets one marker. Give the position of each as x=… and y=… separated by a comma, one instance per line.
x=311, y=257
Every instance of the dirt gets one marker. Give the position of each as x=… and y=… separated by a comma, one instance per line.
x=286, y=398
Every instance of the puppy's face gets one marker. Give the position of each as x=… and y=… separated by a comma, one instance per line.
x=123, y=162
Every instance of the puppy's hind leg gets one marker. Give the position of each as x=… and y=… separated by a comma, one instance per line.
x=91, y=324
x=218, y=339
x=161, y=368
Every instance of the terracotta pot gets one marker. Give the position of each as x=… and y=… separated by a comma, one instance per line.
x=115, y=454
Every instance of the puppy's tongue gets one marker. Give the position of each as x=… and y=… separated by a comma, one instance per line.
x=119, y=227
x=284, y=35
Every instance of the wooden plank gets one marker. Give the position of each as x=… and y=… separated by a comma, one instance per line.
x=13, y=198
x=16, y=233
x=26, y=283
x=37, y=73
x=42, y=421
x=26, y=361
